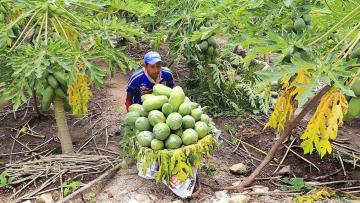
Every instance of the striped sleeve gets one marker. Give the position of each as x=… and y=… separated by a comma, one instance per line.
x=168, y=77
x=132, y=83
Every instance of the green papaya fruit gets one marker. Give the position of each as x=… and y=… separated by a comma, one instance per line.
x=309, y=27
x=60, y=93
x=307, y=19
x=47, y=98
x=203, y=46
x=53, y=82
x=212, y=42
x=60, y=77
x=202, y=57
x=299, y=25
x=210, y=51
x=356, y=87
x=208, y=23
x=353, y=109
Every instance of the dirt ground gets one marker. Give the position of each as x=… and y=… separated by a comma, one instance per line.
x=107, y=111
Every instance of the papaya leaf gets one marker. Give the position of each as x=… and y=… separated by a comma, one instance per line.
x=203, y=33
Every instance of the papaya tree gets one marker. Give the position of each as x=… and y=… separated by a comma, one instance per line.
x=49, y=47
x=316, y=45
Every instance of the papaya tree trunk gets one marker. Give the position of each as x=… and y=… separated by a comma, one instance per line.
x=63, y=129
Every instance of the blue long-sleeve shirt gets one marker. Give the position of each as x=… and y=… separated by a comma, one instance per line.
x=140, y=83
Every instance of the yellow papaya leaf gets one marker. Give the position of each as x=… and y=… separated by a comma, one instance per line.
x=307, y=146
x=283, y=112
x=327, y=146
x=286, y=104
x=79, y=95
x=302, y=77
x=324, y=124
x=320, y=194
x=181, y=171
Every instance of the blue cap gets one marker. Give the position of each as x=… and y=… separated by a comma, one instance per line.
x=152, y=57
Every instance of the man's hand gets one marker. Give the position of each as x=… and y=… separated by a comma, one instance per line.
x=129, y=99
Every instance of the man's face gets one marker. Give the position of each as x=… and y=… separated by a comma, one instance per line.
x=153, y=70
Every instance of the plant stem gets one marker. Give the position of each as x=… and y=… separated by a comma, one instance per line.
x=24, y=30
x=62, y=28
x=40, y=32
x=46, y=27
x=63, y=129
x=348, y=17
x=36, y=103
x=345, y=37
